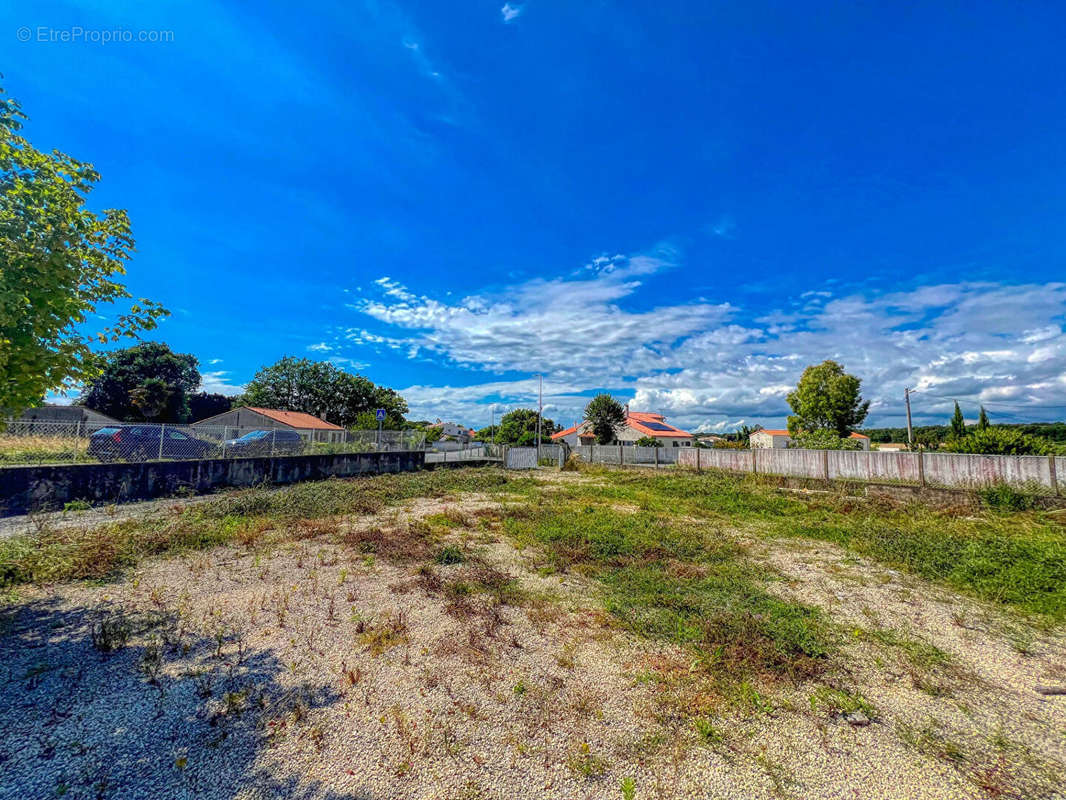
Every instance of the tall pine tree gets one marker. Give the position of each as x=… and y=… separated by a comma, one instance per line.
x=982, y=420
x=958, y=424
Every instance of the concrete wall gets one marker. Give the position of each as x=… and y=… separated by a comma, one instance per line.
x=25, y=489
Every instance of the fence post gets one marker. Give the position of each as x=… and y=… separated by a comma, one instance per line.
x=162, y=430
x=825, y=465
x=656, y=455
x=223, y=441
x=273, y=440
x=754, y=466
x=921, y=468
x=699, y=468
x=77, y=438
x=1054, y=476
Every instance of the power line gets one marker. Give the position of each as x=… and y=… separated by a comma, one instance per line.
x=1023, y=406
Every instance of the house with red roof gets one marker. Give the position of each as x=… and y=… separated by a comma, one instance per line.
x=249, y=418
x=780, y=439
x=638, y=425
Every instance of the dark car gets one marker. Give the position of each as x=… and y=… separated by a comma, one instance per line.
x=264, y=443
x=144, y=442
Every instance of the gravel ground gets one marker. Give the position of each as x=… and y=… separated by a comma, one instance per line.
x=313, y=671
x=99, y=515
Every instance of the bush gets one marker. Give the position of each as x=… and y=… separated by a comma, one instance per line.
x=646, y=441
x=824, y=440
x=999, y=442
x=1004, y=497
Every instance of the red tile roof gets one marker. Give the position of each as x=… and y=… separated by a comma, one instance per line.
x=297, y=419
x=567, y=432
x=634, y=421
x=636, y=418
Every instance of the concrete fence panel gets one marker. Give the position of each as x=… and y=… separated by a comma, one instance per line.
x=796, y=463
x=849, y=465
x=974, y=471
x=521, y=458
x=900, y=467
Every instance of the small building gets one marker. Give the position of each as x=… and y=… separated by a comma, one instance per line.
x=241, y=420
x=710, y=439
x=638, y=425
x=780, y=439
x=75, y=416
x=453, y=430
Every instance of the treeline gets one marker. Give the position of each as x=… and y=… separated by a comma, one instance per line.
x=1052, y=431
x=150, y=382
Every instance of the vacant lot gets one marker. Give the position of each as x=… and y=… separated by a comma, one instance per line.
x=477, y=634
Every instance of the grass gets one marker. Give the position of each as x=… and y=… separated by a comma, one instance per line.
x=245, y=517
x=42, y=449
x=1014, y=559
x=669, y=579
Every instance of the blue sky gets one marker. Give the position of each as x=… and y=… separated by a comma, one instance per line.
x=684, y=203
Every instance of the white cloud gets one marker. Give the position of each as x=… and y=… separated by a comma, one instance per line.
x=705, y=364
x=510, y=13
x=320, y=347
x=218, y=382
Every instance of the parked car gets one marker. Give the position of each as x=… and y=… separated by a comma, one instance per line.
x=264, y=443
x=142, y=442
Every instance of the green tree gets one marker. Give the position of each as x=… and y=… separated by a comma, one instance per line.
x=487, y=433
x=999, y=441
x=606, y=416
x=651, y=441
x=151, y=397
x=58, y=263
x=207, y=404
x=958, y=422
x=826, y=398
x=982, y=420
x=519, y=427
x=131, y=383
x=320, y=388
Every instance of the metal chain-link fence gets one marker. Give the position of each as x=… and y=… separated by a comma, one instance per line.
x=47, y=442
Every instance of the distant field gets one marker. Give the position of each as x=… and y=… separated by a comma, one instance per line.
x=42, y=449
x=476, y=633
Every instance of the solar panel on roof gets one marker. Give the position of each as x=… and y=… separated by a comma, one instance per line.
x=657, y=426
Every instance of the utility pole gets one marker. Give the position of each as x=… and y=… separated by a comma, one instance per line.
x=910, y=431
x=540, y=411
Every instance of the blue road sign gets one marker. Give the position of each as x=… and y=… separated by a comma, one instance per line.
x=380, y=414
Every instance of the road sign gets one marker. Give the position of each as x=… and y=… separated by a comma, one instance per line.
x=380, y=414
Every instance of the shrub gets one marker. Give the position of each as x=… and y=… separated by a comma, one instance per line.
x=999, y=441
x=646, y=441
x=824, y=440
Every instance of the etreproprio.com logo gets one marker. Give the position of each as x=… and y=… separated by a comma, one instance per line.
x=77, y=34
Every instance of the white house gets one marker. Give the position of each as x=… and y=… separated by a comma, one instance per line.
x=776, y=439
x=638, y=425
